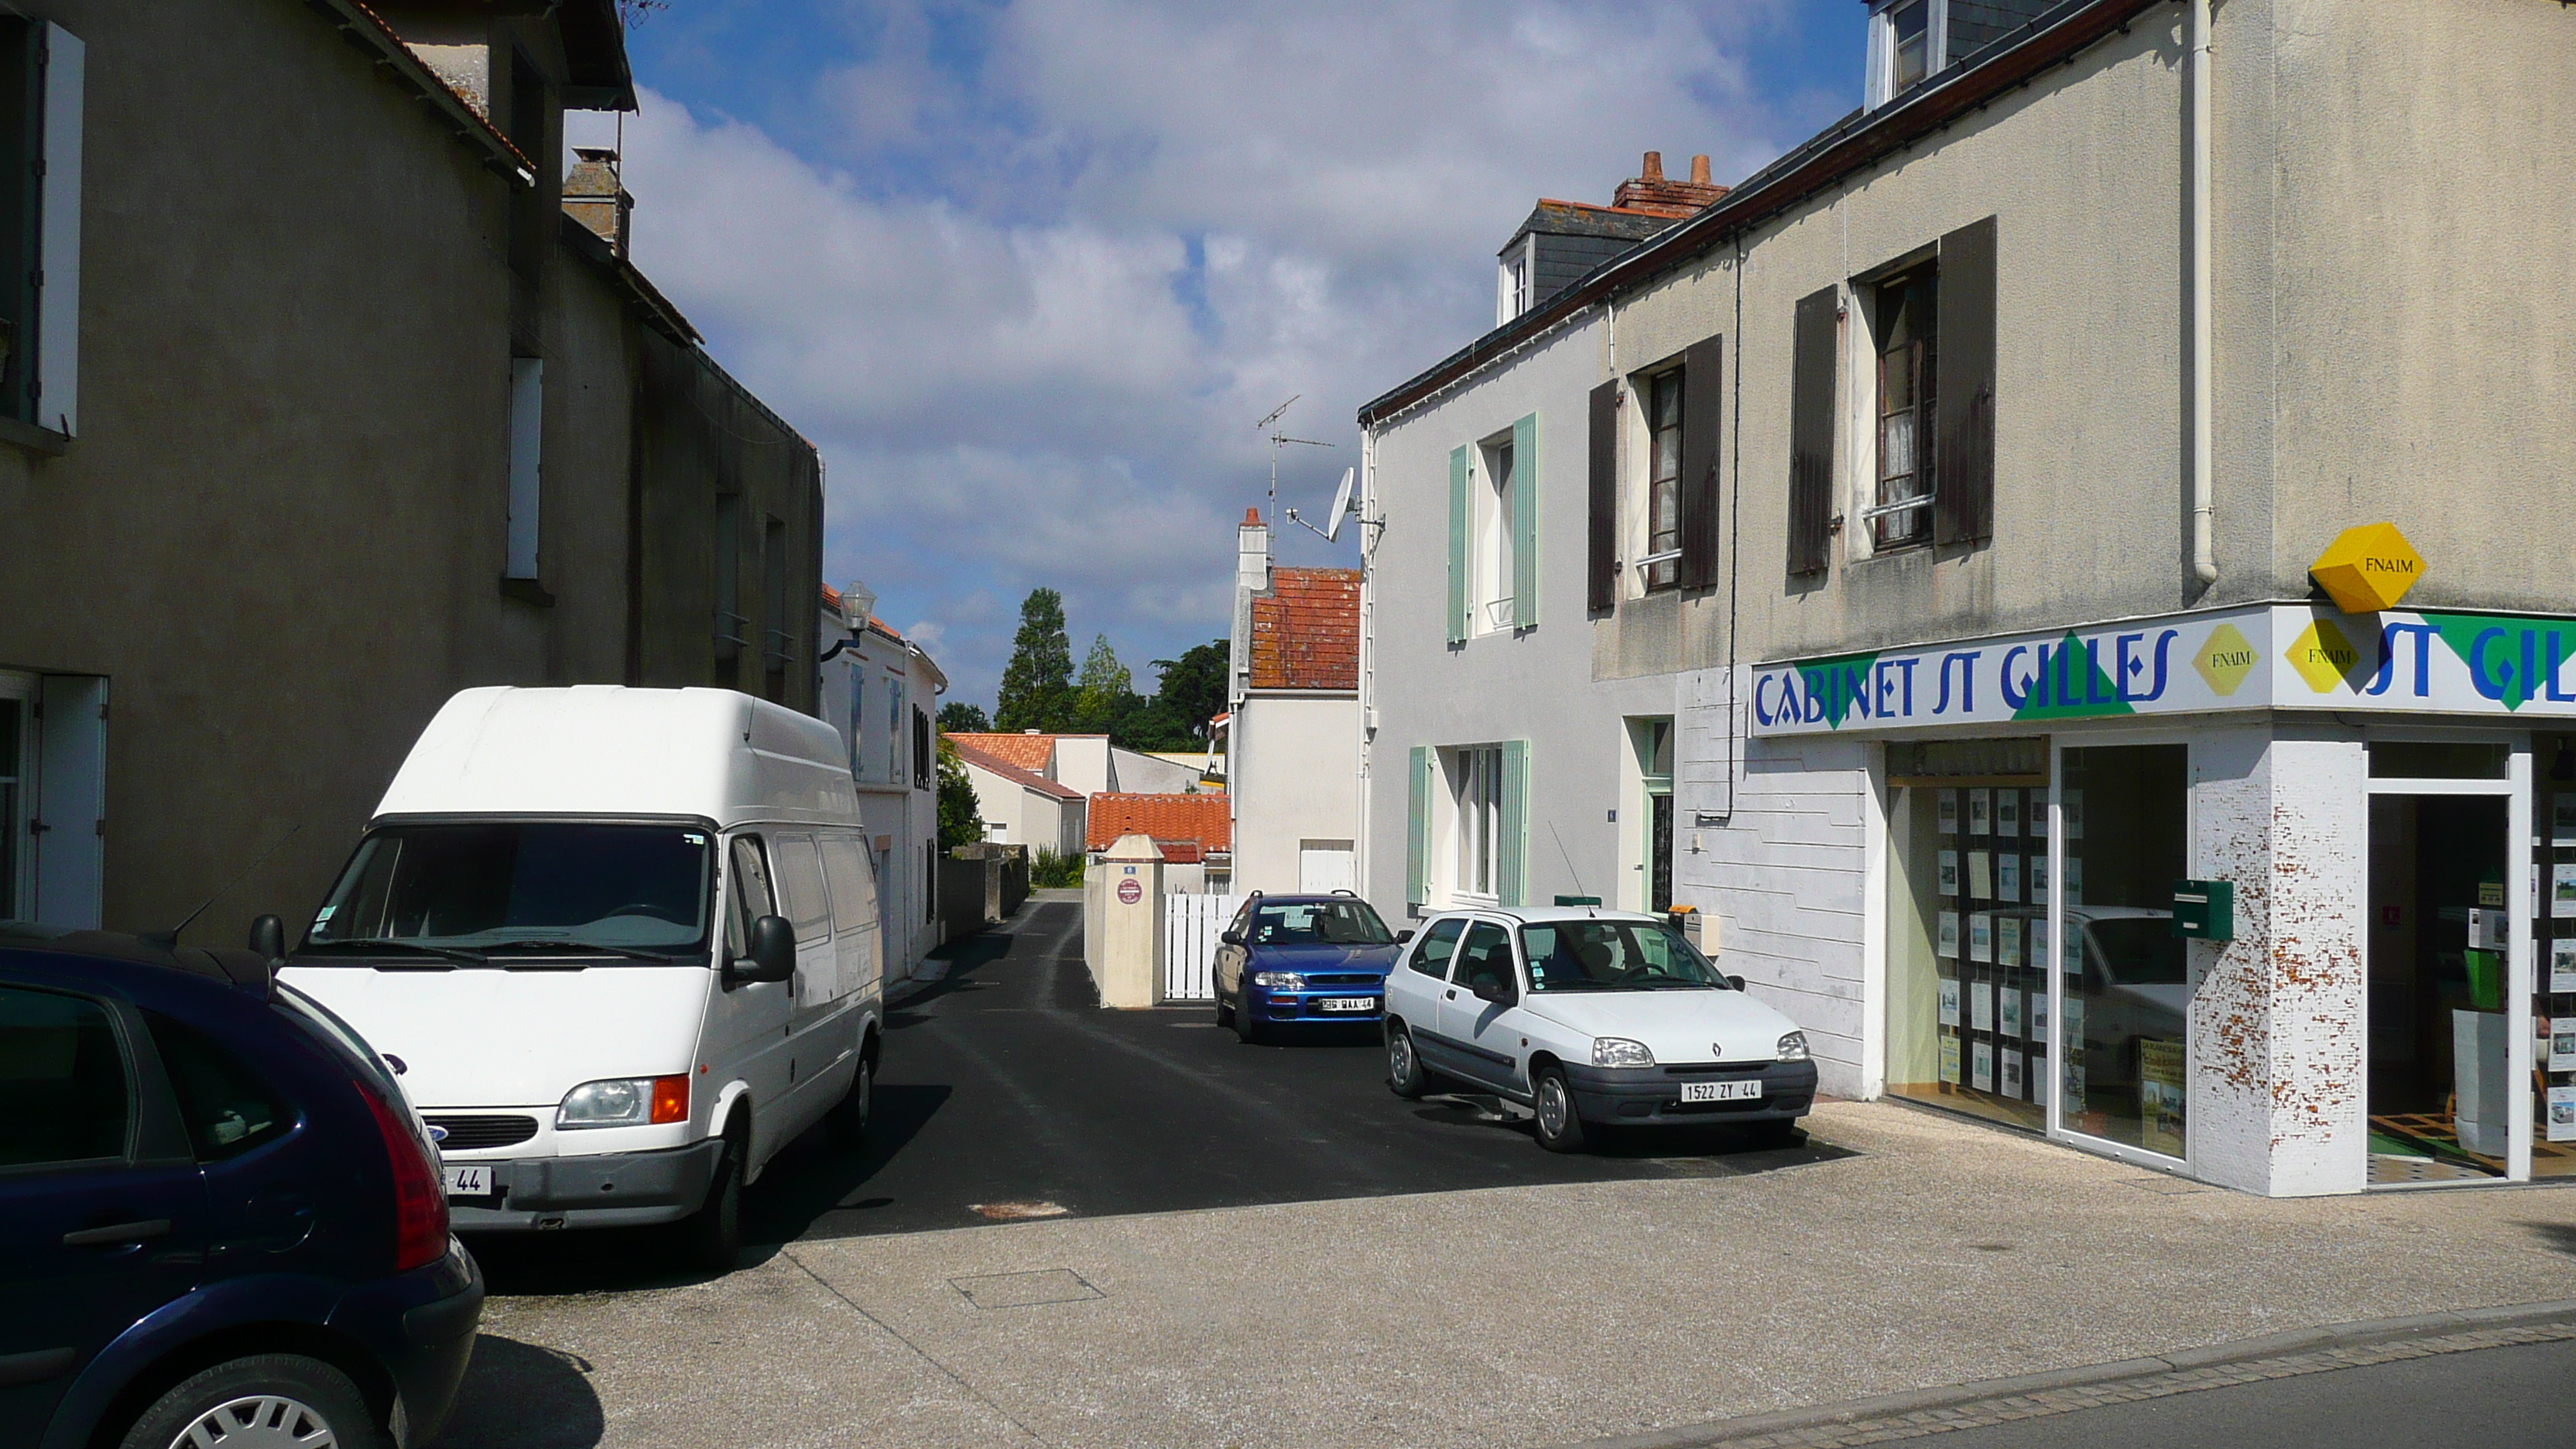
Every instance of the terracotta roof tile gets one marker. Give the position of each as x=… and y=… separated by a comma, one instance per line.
x=1306, y=630
x=1028, y=752
x=995, y=764
x=1201, y=820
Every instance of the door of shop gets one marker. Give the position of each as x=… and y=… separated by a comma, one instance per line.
x=2449, y=1016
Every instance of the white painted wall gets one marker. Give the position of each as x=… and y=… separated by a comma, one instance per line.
x=858, y=688
x=1296, y=778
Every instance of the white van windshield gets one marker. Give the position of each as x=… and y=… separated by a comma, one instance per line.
x=465, y=893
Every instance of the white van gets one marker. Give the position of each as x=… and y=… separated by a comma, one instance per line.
x=624, y=946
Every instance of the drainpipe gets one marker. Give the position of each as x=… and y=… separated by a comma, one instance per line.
x=2204, y=556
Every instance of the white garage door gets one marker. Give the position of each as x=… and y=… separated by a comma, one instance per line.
x=1326, y=865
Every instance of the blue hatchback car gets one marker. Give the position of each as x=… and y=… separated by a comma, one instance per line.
x=1286, y=960
x=220, y=1221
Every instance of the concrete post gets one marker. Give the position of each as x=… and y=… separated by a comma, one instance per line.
x=1130, y=923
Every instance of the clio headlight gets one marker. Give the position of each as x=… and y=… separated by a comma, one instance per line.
x=1792, y=1047
x=1619, y=1051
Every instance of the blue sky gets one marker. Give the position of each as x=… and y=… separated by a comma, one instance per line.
x=1028, y=270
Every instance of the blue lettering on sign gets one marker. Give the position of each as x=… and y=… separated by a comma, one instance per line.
x=2478, y=666
x=2015, y=698
x=2557, y=661
x=1966, y=659
x=2387, y=674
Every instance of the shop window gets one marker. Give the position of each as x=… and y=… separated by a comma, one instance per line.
x=2553, y=1148
x=1968, y=998
x=2438, y=760
x=2124, y=977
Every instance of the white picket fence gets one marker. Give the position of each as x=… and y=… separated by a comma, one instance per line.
x=1191, y=925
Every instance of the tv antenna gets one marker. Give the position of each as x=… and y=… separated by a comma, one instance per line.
x=1277, y=437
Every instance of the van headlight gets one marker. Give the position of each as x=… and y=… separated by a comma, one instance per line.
x=1792, y=1047
x=1619, y=1051
x=625, y=1102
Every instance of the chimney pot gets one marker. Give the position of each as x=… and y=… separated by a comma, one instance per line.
x=1653, y=168
x=1252, y=518
x=1699, y=171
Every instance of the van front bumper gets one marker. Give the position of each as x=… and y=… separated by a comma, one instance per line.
x=608, y=1190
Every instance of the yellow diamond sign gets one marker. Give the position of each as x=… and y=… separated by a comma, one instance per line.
x=2322, y=656
x=2225, y=660
x=2368, y=568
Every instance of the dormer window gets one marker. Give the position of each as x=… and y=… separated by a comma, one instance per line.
x=1908, y=42
x=1513, y=296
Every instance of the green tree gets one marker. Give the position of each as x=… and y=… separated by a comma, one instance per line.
x=1193, y=690
x=960, y=822
x=1038, y=682
x=957, y=717
x=1104, y=694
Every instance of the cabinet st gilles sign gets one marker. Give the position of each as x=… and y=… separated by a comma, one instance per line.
x=2262, y=656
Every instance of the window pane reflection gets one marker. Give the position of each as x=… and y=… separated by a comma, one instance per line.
x=2124, y=1037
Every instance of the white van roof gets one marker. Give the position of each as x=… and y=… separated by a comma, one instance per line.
x=606, y=750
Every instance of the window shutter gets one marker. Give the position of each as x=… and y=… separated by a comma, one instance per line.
x=1417, y=824
x=58, y=236
x=1458, y=545
x=1511, y=863
x=1963, y=507
x=1601, y=542
x=1811, y=432
x=1703, y=388
x=1525, y=475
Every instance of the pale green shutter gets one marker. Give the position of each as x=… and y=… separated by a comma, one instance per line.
x=1417, y=825
x=1525, y=523
x=1512, y=865
x=1457, y=545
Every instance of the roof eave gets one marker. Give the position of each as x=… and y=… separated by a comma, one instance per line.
x=1857, y=141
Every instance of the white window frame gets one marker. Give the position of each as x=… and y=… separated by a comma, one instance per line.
x=1882, y=46
x=1512, y=280
x=1493, y=472
x=1475, y=799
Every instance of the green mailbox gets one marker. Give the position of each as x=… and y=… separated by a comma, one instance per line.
x=2204, y=910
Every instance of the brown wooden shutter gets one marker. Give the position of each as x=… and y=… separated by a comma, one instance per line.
x=1703, y=390
x=1963, y=508
x=1601, y=586
x=1811, y=431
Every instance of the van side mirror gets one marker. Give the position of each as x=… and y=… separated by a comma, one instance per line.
x=772, y=956
x=268, y=938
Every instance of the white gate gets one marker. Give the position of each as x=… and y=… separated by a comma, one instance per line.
x=1191, y=925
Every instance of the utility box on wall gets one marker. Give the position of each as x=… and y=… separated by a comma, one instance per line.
x=2204, y=910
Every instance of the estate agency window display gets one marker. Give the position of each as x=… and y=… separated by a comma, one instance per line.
x=2553, y=1007
x=1971, y=940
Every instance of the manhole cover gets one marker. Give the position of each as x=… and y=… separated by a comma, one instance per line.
x=1025, y=1290
x=1013, y=1212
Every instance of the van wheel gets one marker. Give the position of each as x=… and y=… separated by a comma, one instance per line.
x=849, y=1120
x=280, y=1398
x=711, y=1237
x=1560, y=1129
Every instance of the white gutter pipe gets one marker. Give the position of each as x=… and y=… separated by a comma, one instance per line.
x=2204, y=556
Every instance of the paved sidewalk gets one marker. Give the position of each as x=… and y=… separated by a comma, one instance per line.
x=1942, y=1254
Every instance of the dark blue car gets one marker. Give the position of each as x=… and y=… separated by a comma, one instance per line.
x=219, y=1219
x=1306, y=959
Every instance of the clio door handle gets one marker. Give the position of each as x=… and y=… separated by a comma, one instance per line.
x=1453, y=993
x=116, y=1233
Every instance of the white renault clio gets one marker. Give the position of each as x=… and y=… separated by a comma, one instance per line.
x=1590, y=1018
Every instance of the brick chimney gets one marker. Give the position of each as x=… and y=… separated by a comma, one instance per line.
x=1650, y=192
x=595, y=196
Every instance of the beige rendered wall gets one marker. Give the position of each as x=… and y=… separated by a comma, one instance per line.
x=1296, y=762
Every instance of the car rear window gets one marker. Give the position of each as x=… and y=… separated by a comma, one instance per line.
x=63, y=1074
x=227, y=1107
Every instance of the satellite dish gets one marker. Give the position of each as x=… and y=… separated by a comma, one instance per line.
x=1341, y=505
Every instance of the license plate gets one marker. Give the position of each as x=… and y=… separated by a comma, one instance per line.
x=1346, y=1003
x=469, y=1179
x=1721, y=1091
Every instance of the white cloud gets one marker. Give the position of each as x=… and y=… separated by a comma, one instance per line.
x=976, y=293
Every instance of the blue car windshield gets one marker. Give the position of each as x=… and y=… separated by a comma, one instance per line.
x=1319, y=923
x=1615, y=956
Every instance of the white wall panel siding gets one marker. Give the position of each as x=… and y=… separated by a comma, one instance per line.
x=1788, y=880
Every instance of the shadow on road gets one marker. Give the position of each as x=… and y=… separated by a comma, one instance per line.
x=519, y=1396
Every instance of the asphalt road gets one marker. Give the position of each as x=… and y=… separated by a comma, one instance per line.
x=2499, y=1398
x=1006, y=1083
